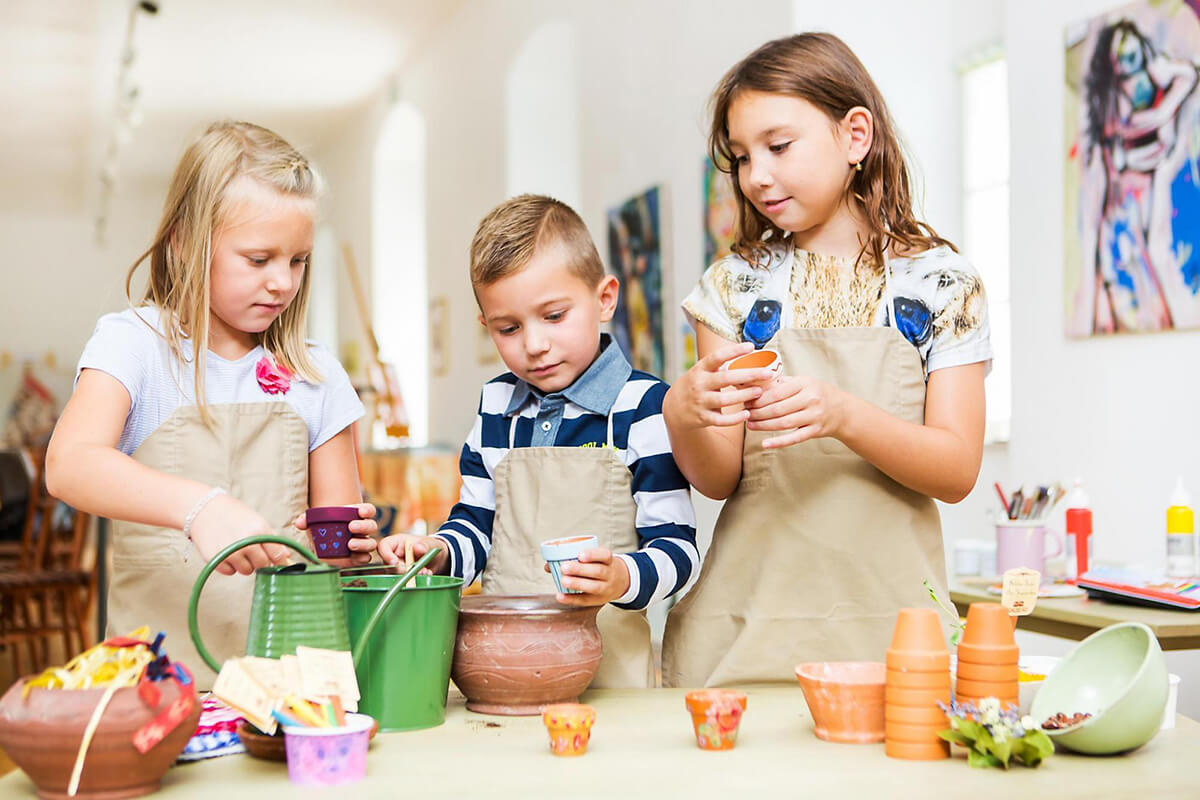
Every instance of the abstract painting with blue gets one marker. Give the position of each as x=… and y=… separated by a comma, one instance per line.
x=635, y=256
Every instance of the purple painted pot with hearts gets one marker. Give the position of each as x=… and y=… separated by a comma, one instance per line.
x=329, y=527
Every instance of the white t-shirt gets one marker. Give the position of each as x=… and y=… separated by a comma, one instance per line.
x=137, y=355
x=938, y=300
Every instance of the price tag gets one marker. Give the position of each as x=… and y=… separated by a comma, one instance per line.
x=328, y=672
x=237, y=689
x=1020, y=591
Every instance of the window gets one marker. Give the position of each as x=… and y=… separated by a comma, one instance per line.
x=398, y=286
x=985, y=219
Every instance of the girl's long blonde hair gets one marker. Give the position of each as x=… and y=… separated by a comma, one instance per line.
x=820, y=68
x=179, y=284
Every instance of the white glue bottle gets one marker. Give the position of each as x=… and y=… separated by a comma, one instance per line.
x=1181, y=534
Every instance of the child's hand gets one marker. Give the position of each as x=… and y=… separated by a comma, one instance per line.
x=813, y=407
x=225, y=519
x=598, y=575
x=394, y=550
x=362, y=536
x=697, y=399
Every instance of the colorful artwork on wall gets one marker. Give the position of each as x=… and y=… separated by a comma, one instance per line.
x=720, y=214
x=1132, y=171
x=635, y=256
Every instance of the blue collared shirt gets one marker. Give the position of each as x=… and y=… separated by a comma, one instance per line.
x=578, y=416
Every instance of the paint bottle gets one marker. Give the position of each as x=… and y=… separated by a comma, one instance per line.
x=1181, y=534
x=1079, y=527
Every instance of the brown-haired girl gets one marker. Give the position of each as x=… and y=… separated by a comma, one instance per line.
x=830, y=472
x=201, y=415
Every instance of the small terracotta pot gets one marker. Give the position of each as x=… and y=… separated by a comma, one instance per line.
x=912, y=715
x=918, y=630
x=988, y=624
x=41, y=734
x=985, y=688
x=917, y=698
x=918, y=660
x=758, y=359
x=329, y=529
x=716, y=714
x=988, y=654
x=917, y=680
x=845, y=699
x=570, y=727
x=516, y=655
x=916, y=752
x=966, y=670
x=917, y=734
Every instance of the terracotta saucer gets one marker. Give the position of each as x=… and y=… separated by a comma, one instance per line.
x=271, y=748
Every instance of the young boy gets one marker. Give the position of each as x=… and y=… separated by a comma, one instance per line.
x=571, y=441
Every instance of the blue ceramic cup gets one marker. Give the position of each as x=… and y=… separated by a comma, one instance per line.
x=556, y=551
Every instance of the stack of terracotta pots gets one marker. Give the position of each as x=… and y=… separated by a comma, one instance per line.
x=987, y=657
x=918, y=678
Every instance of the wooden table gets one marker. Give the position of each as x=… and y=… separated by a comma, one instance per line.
x=1078, y=617
x=642, y=746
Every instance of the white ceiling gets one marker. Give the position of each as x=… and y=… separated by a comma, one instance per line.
x=287, y=63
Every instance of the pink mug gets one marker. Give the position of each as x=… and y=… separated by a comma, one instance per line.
x=1022, y=543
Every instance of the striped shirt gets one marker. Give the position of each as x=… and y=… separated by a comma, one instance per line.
x=575, y=417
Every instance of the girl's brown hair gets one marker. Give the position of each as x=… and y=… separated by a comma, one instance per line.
x=820, y=68
x=197, y=205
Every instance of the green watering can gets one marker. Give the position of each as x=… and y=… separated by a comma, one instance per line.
x=403, y=676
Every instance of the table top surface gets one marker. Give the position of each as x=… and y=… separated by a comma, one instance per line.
x=1084, y=611
x=642, y=746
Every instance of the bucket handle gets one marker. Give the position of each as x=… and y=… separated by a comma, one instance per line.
x=360, y=646
x=214, y=562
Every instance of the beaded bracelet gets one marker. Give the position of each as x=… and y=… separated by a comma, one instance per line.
x=196, y=509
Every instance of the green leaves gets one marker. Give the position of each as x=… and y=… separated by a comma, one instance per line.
x=984, y=750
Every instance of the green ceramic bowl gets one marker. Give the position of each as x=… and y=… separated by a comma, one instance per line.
x=1119, y=676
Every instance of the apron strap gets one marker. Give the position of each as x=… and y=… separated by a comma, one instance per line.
x=890, y=308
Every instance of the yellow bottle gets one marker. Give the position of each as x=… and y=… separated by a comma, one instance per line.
x=1181, y=534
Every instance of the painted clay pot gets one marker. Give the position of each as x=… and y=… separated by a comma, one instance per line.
x=329, y=528
x=515, y=655
x=845, y=699
x=570, y=727
x=556, y=552
x=758, y=359
x=716, y=714
x=42, y=732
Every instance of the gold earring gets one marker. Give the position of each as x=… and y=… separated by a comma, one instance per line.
x=858, y=167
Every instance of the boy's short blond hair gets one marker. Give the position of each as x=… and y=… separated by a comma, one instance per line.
x=509, y=236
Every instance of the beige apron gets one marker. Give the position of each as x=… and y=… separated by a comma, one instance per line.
x=258, y=452
x=548, y=492
x=816, y=550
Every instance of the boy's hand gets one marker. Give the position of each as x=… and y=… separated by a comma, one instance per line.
x=598, y=575
x=394, y=550
x=362, y=536
x=806, y=407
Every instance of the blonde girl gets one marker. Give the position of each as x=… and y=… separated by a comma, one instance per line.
x=201, y=415
x=830, y=472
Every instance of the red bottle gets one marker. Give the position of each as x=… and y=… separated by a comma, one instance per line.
x=1079, y=525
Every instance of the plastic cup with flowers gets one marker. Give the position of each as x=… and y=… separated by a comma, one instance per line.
x=996, y=735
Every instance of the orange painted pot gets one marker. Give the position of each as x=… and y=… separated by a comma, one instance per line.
x=911, y=751
x=716, y=714
x=912, y=715
x=845, y=699
x=917, y=698
x=570, y=727
x=918, y=680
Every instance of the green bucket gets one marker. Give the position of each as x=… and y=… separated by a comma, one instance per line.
x=404, y=671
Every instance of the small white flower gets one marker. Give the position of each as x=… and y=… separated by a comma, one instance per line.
x=1028, y=723
x=991, y=717
x=1000, y=734
x=988, y=704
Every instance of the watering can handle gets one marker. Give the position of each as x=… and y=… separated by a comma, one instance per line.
x=360, y=646
x=214, y=562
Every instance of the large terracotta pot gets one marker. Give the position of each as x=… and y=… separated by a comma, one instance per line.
x=516, y=655
x=42, y=732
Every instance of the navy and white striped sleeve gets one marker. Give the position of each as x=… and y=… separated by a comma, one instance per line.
x=665, y=521
x=468, y=530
